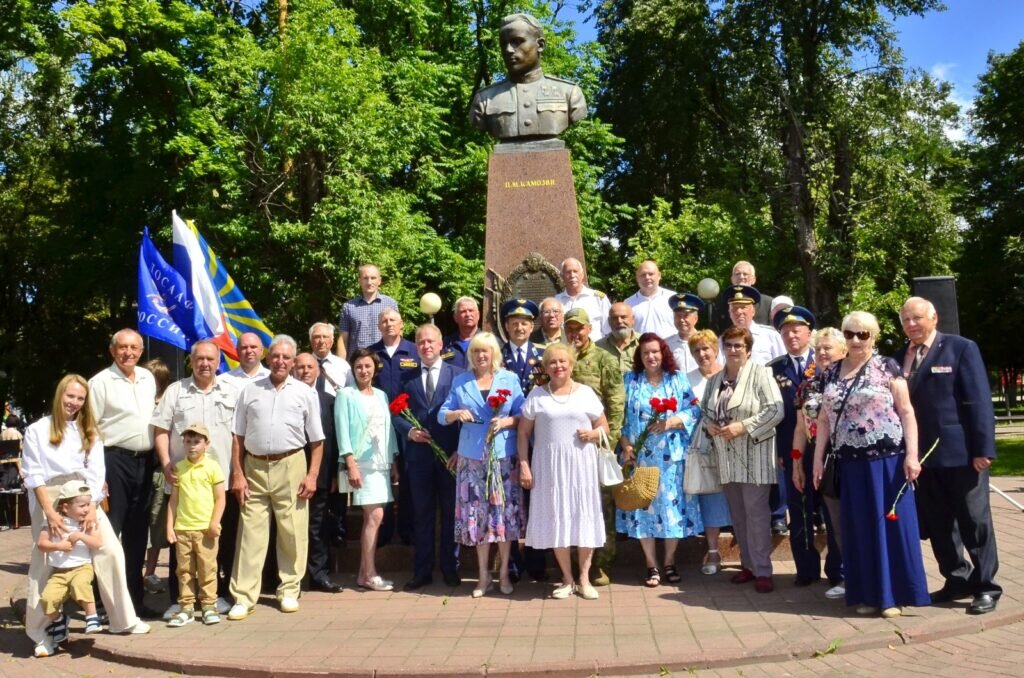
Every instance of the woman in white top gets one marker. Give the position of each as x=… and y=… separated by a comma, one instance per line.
x=566, y=419
x=66, y=446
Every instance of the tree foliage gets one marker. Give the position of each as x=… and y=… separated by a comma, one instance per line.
x=991, y=265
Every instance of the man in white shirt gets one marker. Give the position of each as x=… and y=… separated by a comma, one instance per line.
x=742, y=301
x=578, y=295
x=202, y=398
x=122, y=397
x=274, y=419
x=335, y=371
x=686, y=310
x=650, y=304
x=250, y=354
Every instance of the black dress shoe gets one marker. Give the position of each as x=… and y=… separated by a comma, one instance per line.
x=945, y=595
x=982, y=604
x=452, y=580
x=803, y=581
x=149, y=613
x=326, y=586
x=416, y=583
x=779, y=527
x=513, y=576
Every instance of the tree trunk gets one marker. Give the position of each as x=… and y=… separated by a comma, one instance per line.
x=819, y=296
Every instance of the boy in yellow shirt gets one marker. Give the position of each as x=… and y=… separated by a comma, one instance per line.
x=193, y=526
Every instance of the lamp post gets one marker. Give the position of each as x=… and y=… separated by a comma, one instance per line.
x=430, y=304
x=708, y=290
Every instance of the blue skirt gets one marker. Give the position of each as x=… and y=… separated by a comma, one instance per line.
x=881, y=558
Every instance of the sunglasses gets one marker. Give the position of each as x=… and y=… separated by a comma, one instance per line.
x=863, y=335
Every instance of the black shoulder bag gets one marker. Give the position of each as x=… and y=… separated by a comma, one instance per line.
x=829, y=486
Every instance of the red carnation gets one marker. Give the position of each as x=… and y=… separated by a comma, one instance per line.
x=399, y=404
x=494, y=401
x=796, y=454
x=891, y=515
x=695, y=402
x=504, y=392
x=671, y=404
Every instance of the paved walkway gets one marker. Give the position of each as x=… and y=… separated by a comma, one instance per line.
x=705, y=623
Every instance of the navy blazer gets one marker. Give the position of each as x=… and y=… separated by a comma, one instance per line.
x=952, y=402
x=426, y=413
x=784, y=373
x=329, y=461
x=393, y=367
x=532, y=367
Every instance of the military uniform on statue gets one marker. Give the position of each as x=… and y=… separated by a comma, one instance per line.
x=522, y=357
x=790, y=371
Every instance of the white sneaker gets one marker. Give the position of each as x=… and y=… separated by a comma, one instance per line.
x=238, y=612
x=836, y=592
x=289, y=604
x=172, y=612
x=140, y=628
x=46, y=648
x=223, y=606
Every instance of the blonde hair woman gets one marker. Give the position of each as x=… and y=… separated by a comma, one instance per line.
x=63, y=446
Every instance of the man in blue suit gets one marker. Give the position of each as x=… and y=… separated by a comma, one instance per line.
x=795, y=324
x=953, y=404
x=431, y=485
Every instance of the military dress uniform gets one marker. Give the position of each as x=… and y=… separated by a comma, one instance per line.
x=543, y=106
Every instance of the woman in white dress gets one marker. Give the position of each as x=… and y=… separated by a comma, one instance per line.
x=60, y=447
x=367, y=448
x=565, y=419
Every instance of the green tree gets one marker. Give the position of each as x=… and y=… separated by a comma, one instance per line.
x=991, y=266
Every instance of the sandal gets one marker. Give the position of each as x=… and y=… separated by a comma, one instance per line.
x=58, y=629
x=653, y=580
x=712, y=563
x=671, y=576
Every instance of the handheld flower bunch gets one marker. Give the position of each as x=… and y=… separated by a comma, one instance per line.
x=493, y=485
x=891, y=515
x=661, y=408
x=400, y=406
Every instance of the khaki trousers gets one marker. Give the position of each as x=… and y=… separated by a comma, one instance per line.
x=108, y=564
x=273, y=490
x=197, y=568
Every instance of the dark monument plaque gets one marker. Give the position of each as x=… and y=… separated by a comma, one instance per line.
x=535, y=278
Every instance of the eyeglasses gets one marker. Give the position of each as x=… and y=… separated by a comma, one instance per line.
x=863, y=335
x=735, y=347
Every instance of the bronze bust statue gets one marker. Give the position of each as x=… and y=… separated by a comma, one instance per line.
x=528, y=105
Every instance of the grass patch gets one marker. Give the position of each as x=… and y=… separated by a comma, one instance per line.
x=1009, y=457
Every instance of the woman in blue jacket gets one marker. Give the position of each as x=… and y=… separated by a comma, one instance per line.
x=488, y=505
x=366, y=447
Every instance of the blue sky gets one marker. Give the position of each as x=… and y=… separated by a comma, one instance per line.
x=952, y=45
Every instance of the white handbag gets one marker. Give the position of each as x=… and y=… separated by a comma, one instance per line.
x=608, y=468
x=701, y=473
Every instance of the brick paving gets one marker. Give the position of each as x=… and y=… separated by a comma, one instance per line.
x=705, y=624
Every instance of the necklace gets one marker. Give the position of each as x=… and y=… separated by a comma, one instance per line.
x=572, y=387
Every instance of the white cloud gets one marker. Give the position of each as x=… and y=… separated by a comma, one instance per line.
x=942, y=70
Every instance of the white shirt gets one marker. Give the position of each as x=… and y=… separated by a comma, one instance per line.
x=595, y=303
x=42, y=460
x=274, y=421
x=80, y=553
x=681, y=352
x=338, y=370
x=767, y=345
x=697, y=383
x=238, y=378
x=184, y=404
x=652, y=314
x=123, y=408
x=435, y=370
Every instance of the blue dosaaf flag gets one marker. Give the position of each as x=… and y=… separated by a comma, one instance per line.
x=166, y=310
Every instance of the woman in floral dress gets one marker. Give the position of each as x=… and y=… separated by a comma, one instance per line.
x=867, y=416
x=672, y=515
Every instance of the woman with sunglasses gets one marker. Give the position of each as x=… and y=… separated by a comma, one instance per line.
x=867, y=417
x=741, y=408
